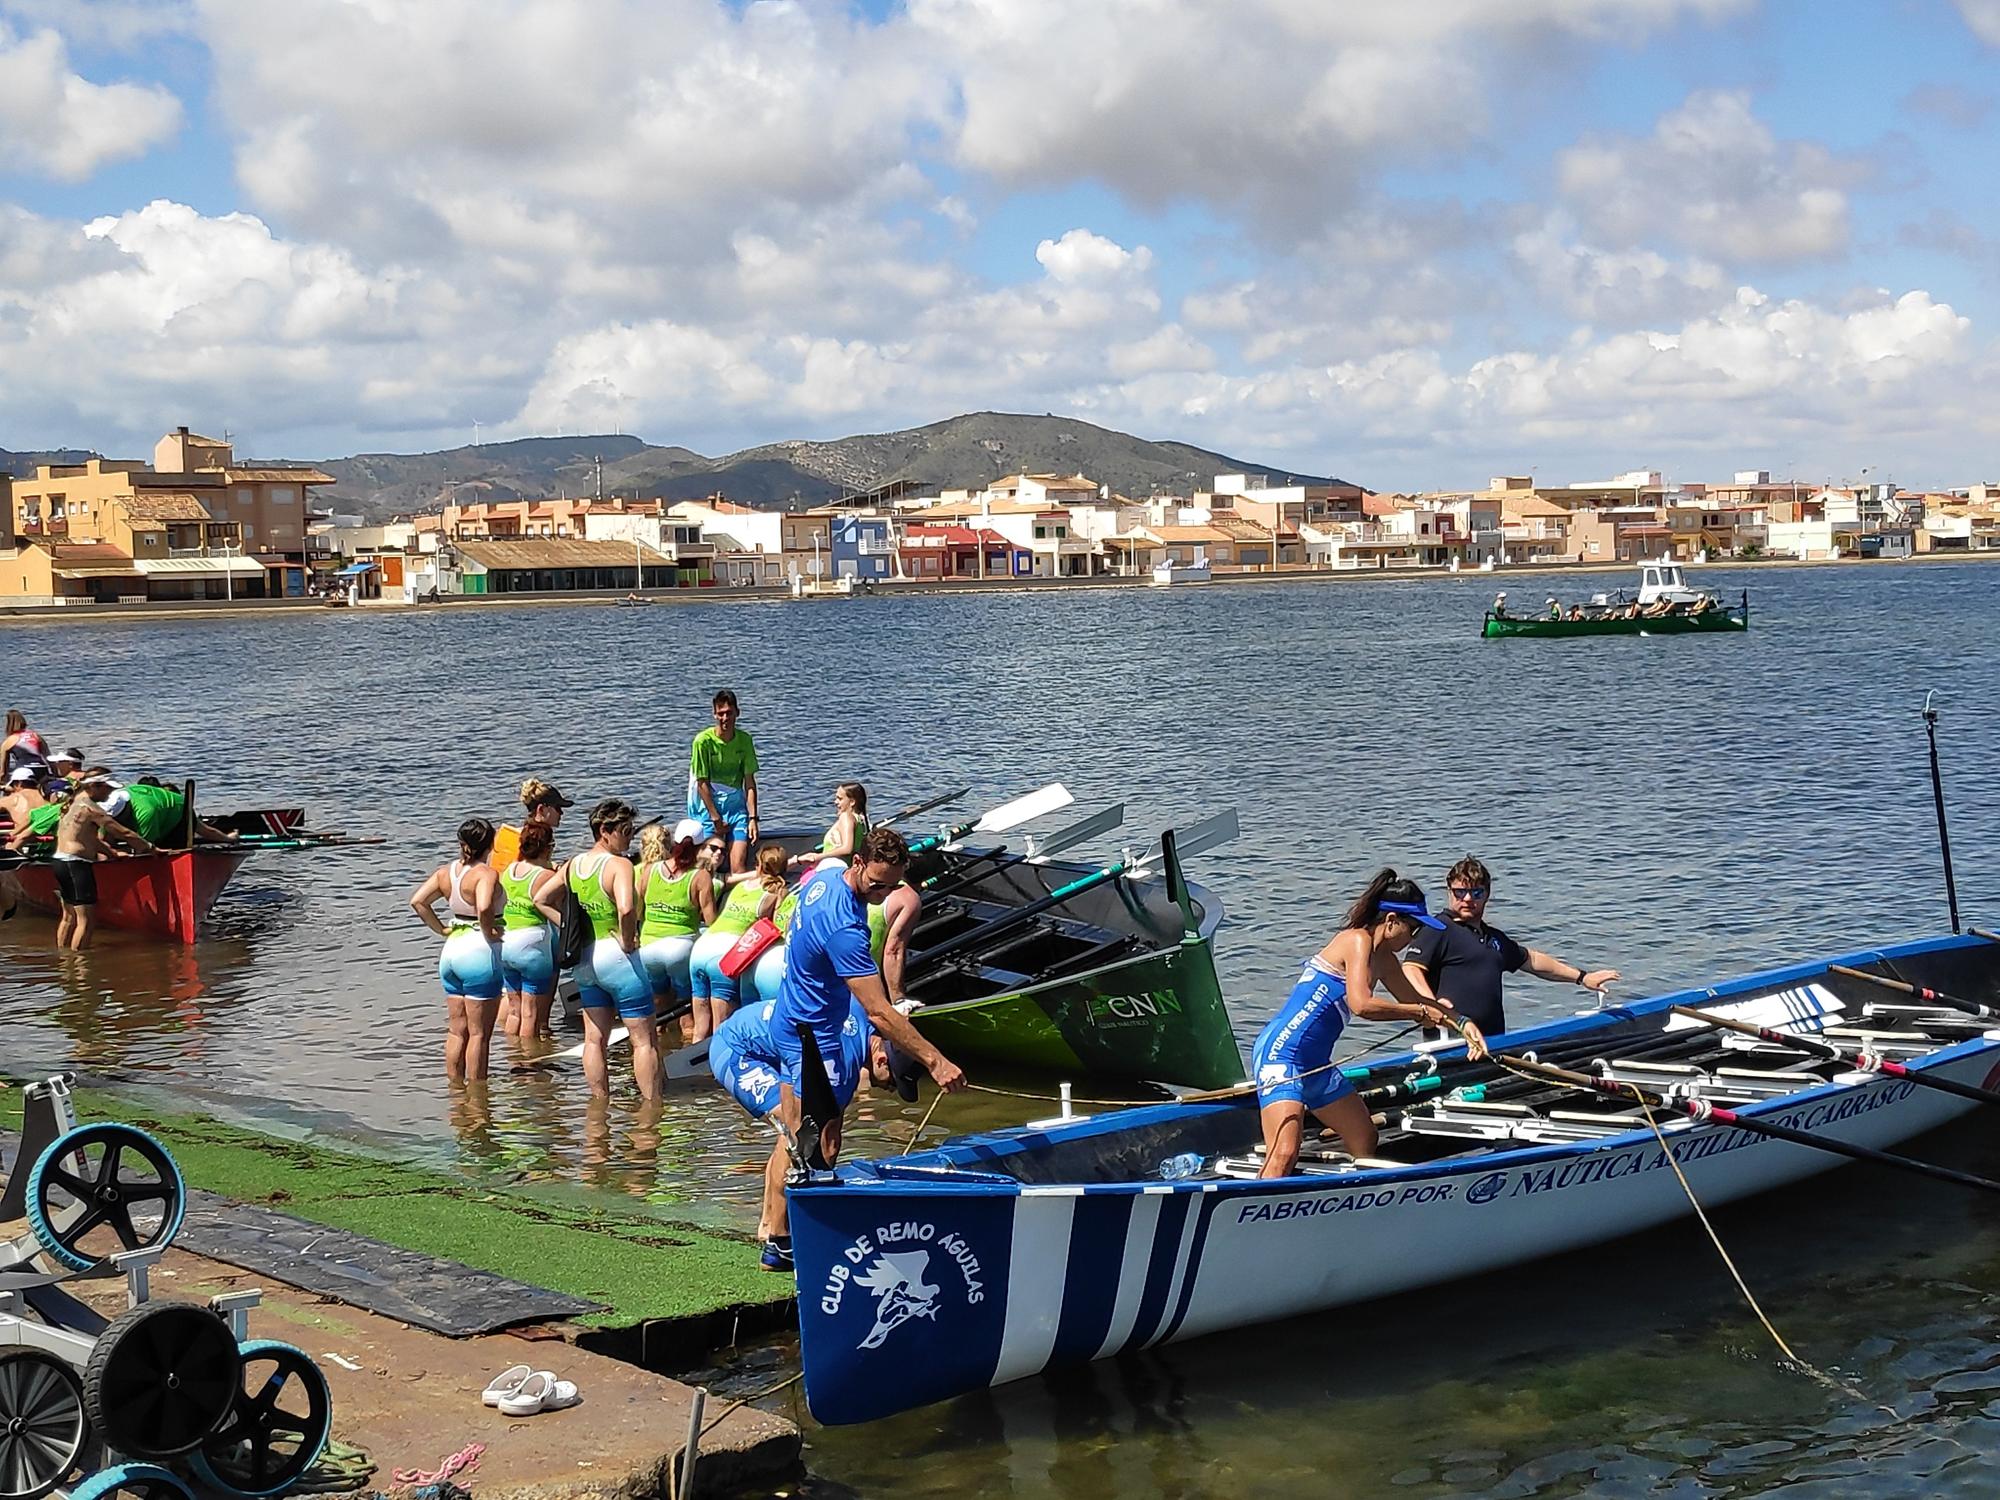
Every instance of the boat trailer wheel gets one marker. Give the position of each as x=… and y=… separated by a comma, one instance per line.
x=101, y=1189
x=161, y=1377
x=277, y=1426
x=132, y=1482
x=43, y=1431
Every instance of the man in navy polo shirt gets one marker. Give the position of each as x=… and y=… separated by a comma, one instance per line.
x=1464, y=960
x=828, y=965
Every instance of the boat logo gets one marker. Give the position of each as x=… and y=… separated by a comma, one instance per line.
x=1487, y=1188
x=897, y=1280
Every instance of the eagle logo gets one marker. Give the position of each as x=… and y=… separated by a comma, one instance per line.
x=897, y=1280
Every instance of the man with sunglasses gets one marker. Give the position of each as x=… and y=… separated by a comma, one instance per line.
x=829, y=965
x=1464, y=961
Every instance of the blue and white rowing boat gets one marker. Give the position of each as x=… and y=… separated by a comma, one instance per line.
x=996, y=1256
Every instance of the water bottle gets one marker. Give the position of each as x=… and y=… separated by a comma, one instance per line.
x=1187, y=1164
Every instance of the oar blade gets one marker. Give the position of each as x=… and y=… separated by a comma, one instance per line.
x=1208, y=834
x=690, y=1061
x=1080, y=832
x=1037, y=804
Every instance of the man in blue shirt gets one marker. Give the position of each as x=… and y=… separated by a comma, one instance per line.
x=828, y=965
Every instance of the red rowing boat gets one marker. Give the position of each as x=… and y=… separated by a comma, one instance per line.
x=164, y=895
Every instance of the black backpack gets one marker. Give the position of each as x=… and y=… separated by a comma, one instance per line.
x=574, y=935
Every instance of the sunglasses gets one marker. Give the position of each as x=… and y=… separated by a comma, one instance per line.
x=1468, y=893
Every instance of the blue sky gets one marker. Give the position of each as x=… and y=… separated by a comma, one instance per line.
x=1414, y=245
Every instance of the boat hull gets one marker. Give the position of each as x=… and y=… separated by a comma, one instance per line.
x=162, y=895
x=1155, y=1018
x=929, y=1276
x=1716, y=622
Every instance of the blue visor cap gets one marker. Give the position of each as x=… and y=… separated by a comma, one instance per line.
x=1411, y=909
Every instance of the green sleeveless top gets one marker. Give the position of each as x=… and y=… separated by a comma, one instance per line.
x=596, y=900
x=878, y=931
x=520, y=913
x=860, y=833
x=669, y=910
x=739, y=910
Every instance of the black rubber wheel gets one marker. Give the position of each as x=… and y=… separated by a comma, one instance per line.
x=161, y=1378
x=43, y=1430
x=275, y=1431
x=104, y=1188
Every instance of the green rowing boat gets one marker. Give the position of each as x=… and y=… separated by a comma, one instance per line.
x=1709, y=622
x=1118, y=980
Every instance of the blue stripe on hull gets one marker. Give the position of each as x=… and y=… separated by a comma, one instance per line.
x=1160, y=1269
x=1205, y=1209
x=1090, y=1290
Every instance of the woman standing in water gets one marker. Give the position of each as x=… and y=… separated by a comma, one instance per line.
x=671, y=911
x=469, y=966
x=527, y=946
x=1293, y=1060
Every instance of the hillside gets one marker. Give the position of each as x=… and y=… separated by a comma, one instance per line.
x=23, y=465
x=967, y=451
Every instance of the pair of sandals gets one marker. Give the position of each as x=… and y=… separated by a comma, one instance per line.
x=522, y=1391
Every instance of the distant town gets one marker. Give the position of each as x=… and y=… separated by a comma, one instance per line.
x=195, y=524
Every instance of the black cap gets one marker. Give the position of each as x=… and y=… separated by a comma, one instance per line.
x=904, y=1071
x=550, y=797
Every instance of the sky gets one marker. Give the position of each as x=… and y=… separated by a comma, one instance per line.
x=1412, y=244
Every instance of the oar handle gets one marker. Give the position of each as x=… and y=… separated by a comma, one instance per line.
x=1921, y=992
x=1762, y=1033
x=1008, y=921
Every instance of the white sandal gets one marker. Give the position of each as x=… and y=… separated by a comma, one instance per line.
x=562, y=1393
x=530, y=1397
x=505, y=1384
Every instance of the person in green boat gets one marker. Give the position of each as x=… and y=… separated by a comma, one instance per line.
x=671, y=911
x=850, y=827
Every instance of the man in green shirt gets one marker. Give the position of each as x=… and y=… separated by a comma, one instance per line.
x=722, y=782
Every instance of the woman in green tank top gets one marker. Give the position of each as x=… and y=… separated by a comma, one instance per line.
x=850, y=826
x=674, y=900
x=527, y=946
x=750, y=897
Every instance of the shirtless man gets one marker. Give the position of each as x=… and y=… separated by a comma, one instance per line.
x=900, y=912
x=84, y=836
x=23, y=796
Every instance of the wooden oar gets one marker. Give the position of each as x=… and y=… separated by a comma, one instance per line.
x=917, y=808
x=1036, y=804
x=1923, y=992
x=1219, y=829
x=1703, y=1112
x=1039, y=849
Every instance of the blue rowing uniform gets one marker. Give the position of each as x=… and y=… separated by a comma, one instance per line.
x=826, y=947
x=1301, y=1037
x=744, y=1057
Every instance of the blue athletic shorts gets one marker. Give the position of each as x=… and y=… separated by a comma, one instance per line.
x=610, y=976
x=666, y=962
x=528, y=961
x=1277, y=1061
x=469, y=966
x=743, y=1061
x=706, y=981
x=841, y=1069
x=733, y=804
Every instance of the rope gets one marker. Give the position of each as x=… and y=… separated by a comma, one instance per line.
x=454, y=1465
x=717, y=1420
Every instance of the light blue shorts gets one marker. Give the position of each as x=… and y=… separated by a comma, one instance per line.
x=528, y=961
x=609, y=976
x=666, y=961
x=706, y=981
x=734, y=806
x=469, y=966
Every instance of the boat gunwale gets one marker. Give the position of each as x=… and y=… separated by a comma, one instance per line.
x=855, y=1178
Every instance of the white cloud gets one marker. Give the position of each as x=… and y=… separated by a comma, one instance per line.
x=1615, y=286
x=57, y=123
x=1712, y=178
x=1983, y=16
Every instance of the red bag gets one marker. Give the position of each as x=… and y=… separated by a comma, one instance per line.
x=750, y=947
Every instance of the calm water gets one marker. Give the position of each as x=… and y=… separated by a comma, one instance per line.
x=1680, y=809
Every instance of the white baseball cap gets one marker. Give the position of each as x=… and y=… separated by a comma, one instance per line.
x=687, y=831
x=21, y=773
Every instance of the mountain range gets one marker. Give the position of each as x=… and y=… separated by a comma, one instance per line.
x=969, y=451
